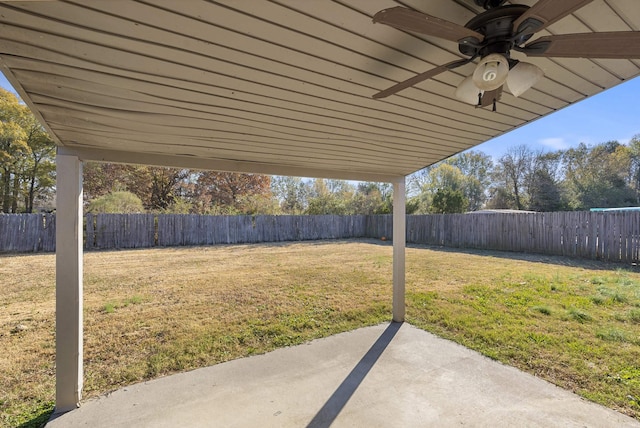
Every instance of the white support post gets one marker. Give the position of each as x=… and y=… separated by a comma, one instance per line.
x=69, y=376
x=399, y=242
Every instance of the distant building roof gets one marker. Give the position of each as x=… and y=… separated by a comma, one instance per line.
x=616, y=209
x=501, y=212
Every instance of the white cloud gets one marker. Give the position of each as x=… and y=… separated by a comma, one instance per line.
x=555, y=143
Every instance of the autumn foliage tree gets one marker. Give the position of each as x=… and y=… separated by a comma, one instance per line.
x=226, y=192
x=27, y=168
x=157, y=187
x=602, y=175
x=181, y=190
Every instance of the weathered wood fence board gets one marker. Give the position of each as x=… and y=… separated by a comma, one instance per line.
x=105, y=231
x=27, y=232
x=175, y=230
x=610, y=236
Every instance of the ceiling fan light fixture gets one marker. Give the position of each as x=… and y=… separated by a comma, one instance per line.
x=468, y=92
x=491, y=72
x=522, y=77
x=501, y=29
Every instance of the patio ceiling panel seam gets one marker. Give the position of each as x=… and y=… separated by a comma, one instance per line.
x=452, y=122
x=93, y=135
x=145, y=114
x=193, y=162
x=428, y=99
x=454, y=111
x=140, y=84
x=280, y=45
x=203, y=136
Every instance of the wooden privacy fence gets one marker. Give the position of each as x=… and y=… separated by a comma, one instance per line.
x=104, y=231
x=20, y=233
x=610, y=236
x=208, y=230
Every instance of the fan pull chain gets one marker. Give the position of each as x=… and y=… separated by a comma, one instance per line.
x=479, y=99
x=494, y=105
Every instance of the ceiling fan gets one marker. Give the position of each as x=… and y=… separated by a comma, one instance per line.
x=493, y=34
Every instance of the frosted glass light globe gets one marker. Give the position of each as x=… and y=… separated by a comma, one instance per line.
x=468, y=92
x=491, y=72
x=522, y=77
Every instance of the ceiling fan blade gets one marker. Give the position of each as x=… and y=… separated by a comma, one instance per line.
x=411, y=20
x=419, y=78
x=545, y=13
x=614, y=45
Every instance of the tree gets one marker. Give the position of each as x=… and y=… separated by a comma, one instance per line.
x=512, y=172
x=102, y=178
x=449, y=201
x=120, y=202
x=26, y=157
x=292, y=194
x=599, y=176
x=476, y=167
x=164, y=186
x=544, y=192
x=372, y=198
x=470, y=172
x=13, y=146
x=229, y=192
x=634, y=178
x=329, y=197
x=433, y=179
x=182, y=190
x=344, y=198
x=157, y=187
x=543, y=183
x=499, y=198
x=40, y=169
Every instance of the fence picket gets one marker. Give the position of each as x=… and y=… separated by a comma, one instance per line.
x=595, y=235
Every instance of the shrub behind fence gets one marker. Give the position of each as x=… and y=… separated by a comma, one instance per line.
x=610, y=236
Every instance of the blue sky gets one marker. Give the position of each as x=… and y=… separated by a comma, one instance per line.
x=611, y=115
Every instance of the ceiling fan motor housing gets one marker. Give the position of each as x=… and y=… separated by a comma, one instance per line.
x=497, y=26
x=489, y=4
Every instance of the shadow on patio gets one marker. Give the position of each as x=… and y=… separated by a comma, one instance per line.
x=390, y=375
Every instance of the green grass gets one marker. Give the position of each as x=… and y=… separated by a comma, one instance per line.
x=579, y=315
x=546, y=310
x=564, y=326
x=111, y=307
x=576, y=324
x=612, y=334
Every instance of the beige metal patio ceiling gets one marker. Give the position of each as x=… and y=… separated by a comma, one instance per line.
x=280, y=87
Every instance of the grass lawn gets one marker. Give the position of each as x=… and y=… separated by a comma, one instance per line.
x=149, y=313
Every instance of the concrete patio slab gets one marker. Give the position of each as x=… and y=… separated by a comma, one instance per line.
x=390, y=375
